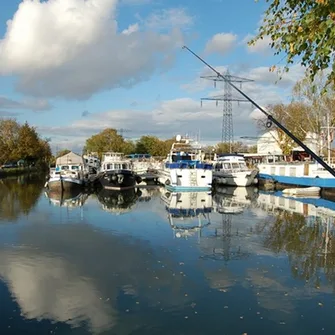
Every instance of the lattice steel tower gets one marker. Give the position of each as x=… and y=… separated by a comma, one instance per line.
x=227, y=132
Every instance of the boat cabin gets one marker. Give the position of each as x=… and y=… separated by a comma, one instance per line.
x=115, y=161
x=116, y=165
x=230, y=162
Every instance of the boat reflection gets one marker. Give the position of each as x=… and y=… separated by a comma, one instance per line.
x=183, y=208
x=233, y=199
x=118, y=201
x=69, y=199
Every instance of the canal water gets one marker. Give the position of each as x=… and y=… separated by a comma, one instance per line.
x=151, y=262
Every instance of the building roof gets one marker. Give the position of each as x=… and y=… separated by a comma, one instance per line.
x=70, y=158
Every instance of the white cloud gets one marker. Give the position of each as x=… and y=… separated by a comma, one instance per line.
x=262, y=46
x=29, y=104
x=72, y=48
x=169, y=18
x=167, y=119
x=221, y=43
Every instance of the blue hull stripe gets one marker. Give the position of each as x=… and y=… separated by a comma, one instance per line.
x=317, y=202
x=188, y=188
x=300, y=181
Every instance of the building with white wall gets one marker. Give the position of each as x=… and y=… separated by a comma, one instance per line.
x=267, y=144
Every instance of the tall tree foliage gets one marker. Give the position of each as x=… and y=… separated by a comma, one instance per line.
x=294, y=117
x=108, y=140
x=303, y=30
x=153, y=145
x=21, y=142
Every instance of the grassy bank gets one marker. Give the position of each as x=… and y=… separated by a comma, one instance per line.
x=17, y=171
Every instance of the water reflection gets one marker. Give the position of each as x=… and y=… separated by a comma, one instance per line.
x=118, y=202
x=183, y=208
x=304, y=231
x=68, y=199
x=19, y=196
x=254, y=260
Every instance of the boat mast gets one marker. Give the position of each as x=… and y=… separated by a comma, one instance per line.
x=270, y=118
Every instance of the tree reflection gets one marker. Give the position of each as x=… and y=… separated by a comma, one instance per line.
x=308, y=242
x=19, y=196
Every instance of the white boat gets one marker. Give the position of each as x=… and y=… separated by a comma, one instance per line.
x=185, y=169
x=231, y=170
x=300, y=173
x=70, y=173
x=92, y=161
x=116, y=172
x=305, y=191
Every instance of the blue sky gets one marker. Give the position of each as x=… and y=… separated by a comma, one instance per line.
x=72, y=68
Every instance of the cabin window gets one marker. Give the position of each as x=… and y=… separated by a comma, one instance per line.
x=109, y=167
x=124, y=166
x=75, y=167
x=117, y=166
x=235, y=165
x=227, y=166
x=242, y=165
x=65, y=167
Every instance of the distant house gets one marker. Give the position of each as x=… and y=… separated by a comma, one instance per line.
x=267, y=144
x=70, y=158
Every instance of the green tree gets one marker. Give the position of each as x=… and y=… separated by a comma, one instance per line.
x=107, y=140
x=128, y=147
x=28, y=143
x=303, y=30
x=9, y=132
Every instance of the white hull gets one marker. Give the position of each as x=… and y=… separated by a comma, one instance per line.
x=241, y=178
x=186, y=179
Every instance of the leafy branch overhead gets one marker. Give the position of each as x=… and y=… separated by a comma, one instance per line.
x=303, y=30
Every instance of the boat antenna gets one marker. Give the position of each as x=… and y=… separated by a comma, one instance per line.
x=270, y=118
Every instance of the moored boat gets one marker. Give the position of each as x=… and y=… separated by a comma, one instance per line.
x=303, y=174
x=185, y=168
x=69, y=174
x=231, y=170
x=116, y=172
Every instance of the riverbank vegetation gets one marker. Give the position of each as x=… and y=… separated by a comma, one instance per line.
x=21, y=148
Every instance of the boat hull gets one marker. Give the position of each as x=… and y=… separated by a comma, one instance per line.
x=243, y=178
x=186, y=179
x=64, y=184
x=118, y=179
x=299, y=181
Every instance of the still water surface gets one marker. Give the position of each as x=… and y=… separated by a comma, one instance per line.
x=111, y=263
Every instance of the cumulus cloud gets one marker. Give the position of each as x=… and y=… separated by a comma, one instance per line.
x=221, y=43
x=167, y=119
x=28, y=104
x=262, y=46
x=73, y=48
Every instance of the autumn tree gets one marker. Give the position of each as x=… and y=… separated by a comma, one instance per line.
x=303, y=30
x=322, y=106
x=21, y=142
x=106, y=140
x=9, y=132
x=294, y=117
x=28, y=143
x=153, y=145
x=224, y=147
